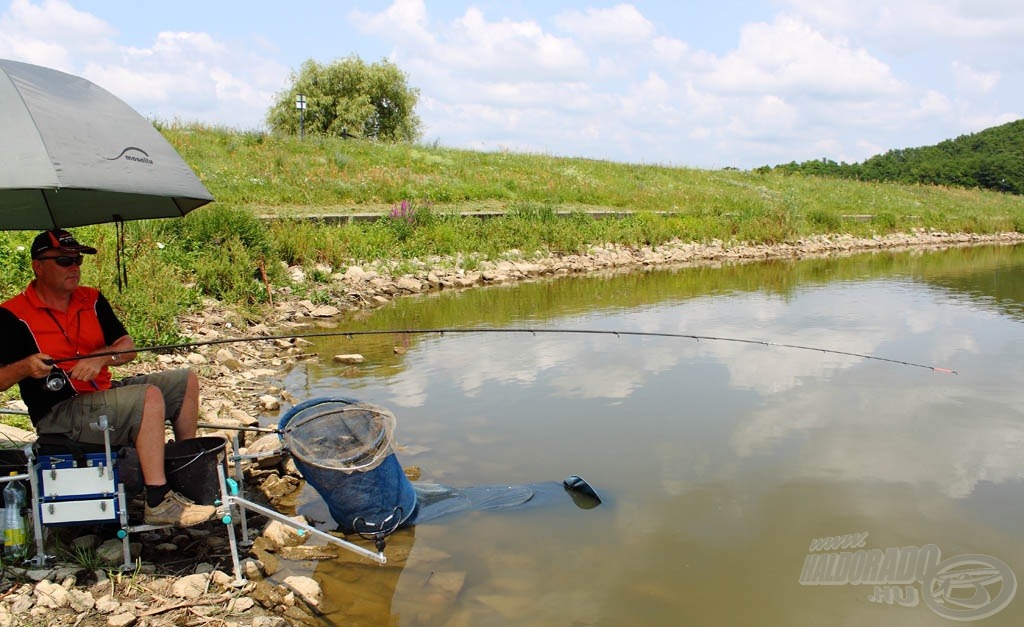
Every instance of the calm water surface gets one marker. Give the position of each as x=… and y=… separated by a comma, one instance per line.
x=720, y=462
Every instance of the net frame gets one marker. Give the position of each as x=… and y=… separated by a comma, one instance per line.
x=305, y=437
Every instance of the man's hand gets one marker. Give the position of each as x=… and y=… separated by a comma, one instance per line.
x=37, y=366
x=32, y=367
x=87, y=368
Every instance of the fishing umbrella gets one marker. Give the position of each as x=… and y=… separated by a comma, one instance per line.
x=75, y=154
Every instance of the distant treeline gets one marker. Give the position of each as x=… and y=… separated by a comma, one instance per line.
x=991, y=159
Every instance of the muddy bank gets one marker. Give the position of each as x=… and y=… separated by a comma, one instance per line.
x=186, y=575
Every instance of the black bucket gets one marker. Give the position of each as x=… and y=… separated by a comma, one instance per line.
x=191, y=467
x=13, y=460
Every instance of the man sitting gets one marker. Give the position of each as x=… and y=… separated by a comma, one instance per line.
x=60, y=338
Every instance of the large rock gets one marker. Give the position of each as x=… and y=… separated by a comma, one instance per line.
x=279, y=534
x=81, y=600
x=350, y=358
x=408, y=284
x=191, y=587
x=305, y=587
x=244, y=418
x=124, y=619
x=51, y=595
x=355, y=274
x=14, y=434
x=308, y=553
x=228, y=359
x=325, y=311
x=267, y=444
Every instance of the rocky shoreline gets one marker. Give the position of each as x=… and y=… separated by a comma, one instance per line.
x=185, y=576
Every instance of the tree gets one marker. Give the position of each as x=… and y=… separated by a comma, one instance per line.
x=349, y=97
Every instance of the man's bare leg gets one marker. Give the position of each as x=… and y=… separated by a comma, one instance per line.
x=188, y=418
x=149, y=443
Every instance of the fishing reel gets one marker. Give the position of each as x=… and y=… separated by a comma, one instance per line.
x=56, y=380
x=379, y=531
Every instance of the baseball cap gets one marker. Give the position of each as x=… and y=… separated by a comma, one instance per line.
x=60, y=240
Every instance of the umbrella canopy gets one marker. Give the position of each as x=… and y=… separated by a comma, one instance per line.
x=72, y=154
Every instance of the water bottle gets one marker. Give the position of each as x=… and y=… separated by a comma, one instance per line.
x=15, y=533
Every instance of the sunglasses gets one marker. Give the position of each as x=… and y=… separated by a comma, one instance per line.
x=65, y=261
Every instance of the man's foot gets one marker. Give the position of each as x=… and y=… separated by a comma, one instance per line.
x=177, y=510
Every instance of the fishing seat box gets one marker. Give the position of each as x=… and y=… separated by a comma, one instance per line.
x=76, y=488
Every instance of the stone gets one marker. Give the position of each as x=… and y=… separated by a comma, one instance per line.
x=240, y=605
x=290, y=468
x=191, y=587
x=305, y=587
x=270, y=403
x=86, y=542
x=38, y=574
x=253, y=569
x=125, y=619
x=22, y=603
x=279, y=534
x=107, y=605
x=14, y=434
x=51, y=595
x=325, y=311
x=227, y=359
x=269, y=564
x=350, y=358
x=269, y=621
x=196, y=359
x=267, y=595
x=244, y=418
x=409, y=284
x=81, y=600
x=282, y=492
x=222, y=579
x=308, y=553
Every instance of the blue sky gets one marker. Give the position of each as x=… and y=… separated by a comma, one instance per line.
x=698, y=84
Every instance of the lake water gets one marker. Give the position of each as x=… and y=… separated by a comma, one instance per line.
x=720, y=462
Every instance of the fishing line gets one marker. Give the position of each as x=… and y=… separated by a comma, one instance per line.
x=532, y=331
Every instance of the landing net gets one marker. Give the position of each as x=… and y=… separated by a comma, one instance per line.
x=340, y=435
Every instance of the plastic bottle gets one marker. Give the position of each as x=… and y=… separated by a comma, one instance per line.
x=15, y=531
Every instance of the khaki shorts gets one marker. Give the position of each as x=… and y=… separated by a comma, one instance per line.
x=121, y=404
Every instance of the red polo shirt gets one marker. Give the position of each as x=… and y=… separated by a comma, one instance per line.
x=88, y=325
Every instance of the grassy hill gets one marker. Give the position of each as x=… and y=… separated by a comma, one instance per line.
x=991, y=159
x=286, y=176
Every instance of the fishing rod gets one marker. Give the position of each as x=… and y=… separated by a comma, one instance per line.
x=532, y=331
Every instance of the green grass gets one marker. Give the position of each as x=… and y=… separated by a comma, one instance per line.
x=285, y=176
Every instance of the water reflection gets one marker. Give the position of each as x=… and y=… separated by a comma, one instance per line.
x=723, y=460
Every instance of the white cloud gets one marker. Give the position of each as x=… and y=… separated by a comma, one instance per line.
x=913, y=24
x=52, y=34
x=180, y=75
x=970, y=80
x=621, y=25
x=934, y=104
x=473, y=48
x=788, y=56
